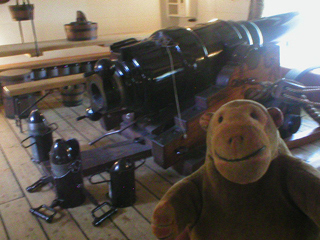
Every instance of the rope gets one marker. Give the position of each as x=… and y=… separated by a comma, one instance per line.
x=308, y=89
x=34, y=31
x=312, y=112
x=176, y=93
x=307, y=105
x=299, y=100
x=280, y=90
x=167, y=42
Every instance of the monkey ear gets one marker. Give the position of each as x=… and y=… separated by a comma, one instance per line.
x=205, y=119
x=276, y=115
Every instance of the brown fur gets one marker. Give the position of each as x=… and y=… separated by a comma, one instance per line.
x=269, y=195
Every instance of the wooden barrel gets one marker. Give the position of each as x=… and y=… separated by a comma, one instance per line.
x=21, y=12
x=16, y=105
x=79, y=31
x=72, y=95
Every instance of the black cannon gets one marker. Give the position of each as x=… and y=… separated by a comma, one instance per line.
x=157, y=88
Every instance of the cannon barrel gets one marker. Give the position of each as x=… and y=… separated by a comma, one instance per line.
x=141, y=79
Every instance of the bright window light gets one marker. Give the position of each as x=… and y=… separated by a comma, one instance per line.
x=301, y=47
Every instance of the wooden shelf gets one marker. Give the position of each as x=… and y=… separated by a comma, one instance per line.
x=29, y=48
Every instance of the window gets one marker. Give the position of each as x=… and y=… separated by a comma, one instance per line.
x=301, y=47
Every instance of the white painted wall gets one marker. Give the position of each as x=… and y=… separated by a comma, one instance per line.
x=221, y=9
x=112, y=16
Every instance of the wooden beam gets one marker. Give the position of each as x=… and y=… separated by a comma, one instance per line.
x=39, y=85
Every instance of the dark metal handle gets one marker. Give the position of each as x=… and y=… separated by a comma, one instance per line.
x=21, y=143
x=143, y=162
x=88, y=74
x=47, y=218
x=50, y=130
x=55, y=127
x=33, y=104
x=81, y=117
x=113, y=132
x=98, y=220
x=41, y=182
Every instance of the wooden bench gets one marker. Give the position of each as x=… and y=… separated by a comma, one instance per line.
x=40, y=85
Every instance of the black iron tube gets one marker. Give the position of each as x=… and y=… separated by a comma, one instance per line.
x=141, y=79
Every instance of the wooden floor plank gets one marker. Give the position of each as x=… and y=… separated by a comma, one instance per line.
x=152, y=181
x=133, y=221
x=146, y=202
x=313, y=153
x=107, y=230
x=19, y=160
x=145, y=199
x=308, y=121
x=18, y=224
x=80, y=110
x=129, y=223
x=10, y=189
x=169, y=174
x=90, y=134
x=27, y=173
x=133, y=224
x=79, y=129
x=138, y=216
x=3, y=232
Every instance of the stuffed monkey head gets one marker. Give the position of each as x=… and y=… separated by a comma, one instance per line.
x=242, y=139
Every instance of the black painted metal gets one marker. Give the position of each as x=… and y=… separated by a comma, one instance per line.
x=141, y=79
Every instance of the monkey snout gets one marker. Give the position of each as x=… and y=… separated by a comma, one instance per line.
x=236, y=140
x=236, y=143
x=239, y=140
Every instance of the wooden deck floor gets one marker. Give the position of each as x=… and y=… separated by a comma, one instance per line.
x=17, y=172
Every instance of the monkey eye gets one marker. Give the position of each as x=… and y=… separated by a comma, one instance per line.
x=254, y=115
x=220, y=119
